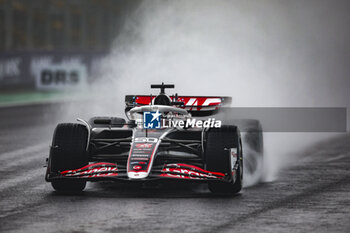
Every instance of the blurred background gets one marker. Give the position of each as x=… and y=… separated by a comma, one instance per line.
x=52, y=32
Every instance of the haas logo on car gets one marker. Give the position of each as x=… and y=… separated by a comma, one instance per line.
x=143, y=145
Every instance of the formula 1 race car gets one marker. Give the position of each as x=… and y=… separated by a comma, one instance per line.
x=162, y=139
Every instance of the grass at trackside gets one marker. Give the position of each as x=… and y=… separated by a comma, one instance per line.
x=32, y=97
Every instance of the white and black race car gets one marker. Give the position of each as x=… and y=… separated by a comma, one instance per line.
x=162, y=139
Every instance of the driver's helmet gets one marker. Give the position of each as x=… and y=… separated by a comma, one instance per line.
x=162, y=100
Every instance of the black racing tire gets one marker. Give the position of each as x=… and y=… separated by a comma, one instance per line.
x=104, y=121
x=253, y=143
x=68, y=152
x=218, y=159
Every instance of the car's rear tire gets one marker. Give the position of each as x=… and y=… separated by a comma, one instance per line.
x=218, y=159
x=68, y=152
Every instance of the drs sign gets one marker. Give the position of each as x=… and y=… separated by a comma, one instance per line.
x=60, y=76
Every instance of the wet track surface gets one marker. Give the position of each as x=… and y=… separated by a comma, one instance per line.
x=311, y=197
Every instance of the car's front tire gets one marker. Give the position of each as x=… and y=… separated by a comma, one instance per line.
x=218, y=141
x=68, y=152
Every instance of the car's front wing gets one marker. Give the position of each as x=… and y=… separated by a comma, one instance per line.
x=111, y=171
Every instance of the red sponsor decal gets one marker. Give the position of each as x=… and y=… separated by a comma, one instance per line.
x=186, y=173
x=143, y=145
x=194, y=168
x=90, y=166
x=94, y=171
x=99, y=175
x=179, y=176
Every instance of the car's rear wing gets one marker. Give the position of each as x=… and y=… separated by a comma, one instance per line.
x=196, y=105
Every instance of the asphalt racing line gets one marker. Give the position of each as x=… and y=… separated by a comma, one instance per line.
x=21, y=179
x=18, y=206
x=39, y=157
x=12, y=155
x=19, y=163
x=339, y=157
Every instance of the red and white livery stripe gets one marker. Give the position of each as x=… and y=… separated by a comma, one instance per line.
x=186, y=171
x=93, y=170
x=190, y=103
